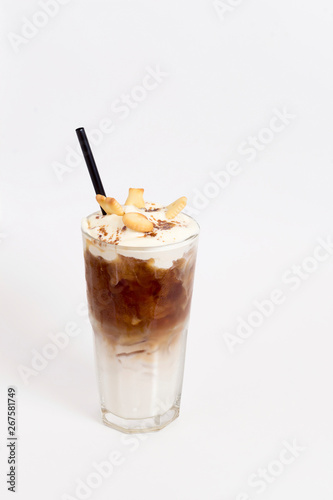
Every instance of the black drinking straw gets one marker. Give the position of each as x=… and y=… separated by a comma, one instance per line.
x=90, y=161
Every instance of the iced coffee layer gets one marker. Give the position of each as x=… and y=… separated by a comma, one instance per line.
x=132, y=301
x=139, y=344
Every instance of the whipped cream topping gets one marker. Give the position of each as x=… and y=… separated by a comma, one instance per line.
x=166, y=243
x=111, y=229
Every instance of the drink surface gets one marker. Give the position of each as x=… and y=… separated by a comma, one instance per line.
x=111, y=229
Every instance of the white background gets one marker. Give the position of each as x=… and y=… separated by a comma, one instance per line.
x=226, y=74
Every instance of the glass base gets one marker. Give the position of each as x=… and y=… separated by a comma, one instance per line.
x=138, y=425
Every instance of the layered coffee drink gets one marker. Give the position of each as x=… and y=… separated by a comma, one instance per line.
x=139, y=266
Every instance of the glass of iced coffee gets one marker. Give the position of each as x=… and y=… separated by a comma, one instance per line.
x=139, y=261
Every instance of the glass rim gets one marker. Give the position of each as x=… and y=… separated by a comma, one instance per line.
x=141, y=248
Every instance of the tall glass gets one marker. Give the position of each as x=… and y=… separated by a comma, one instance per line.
x=139, y=302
